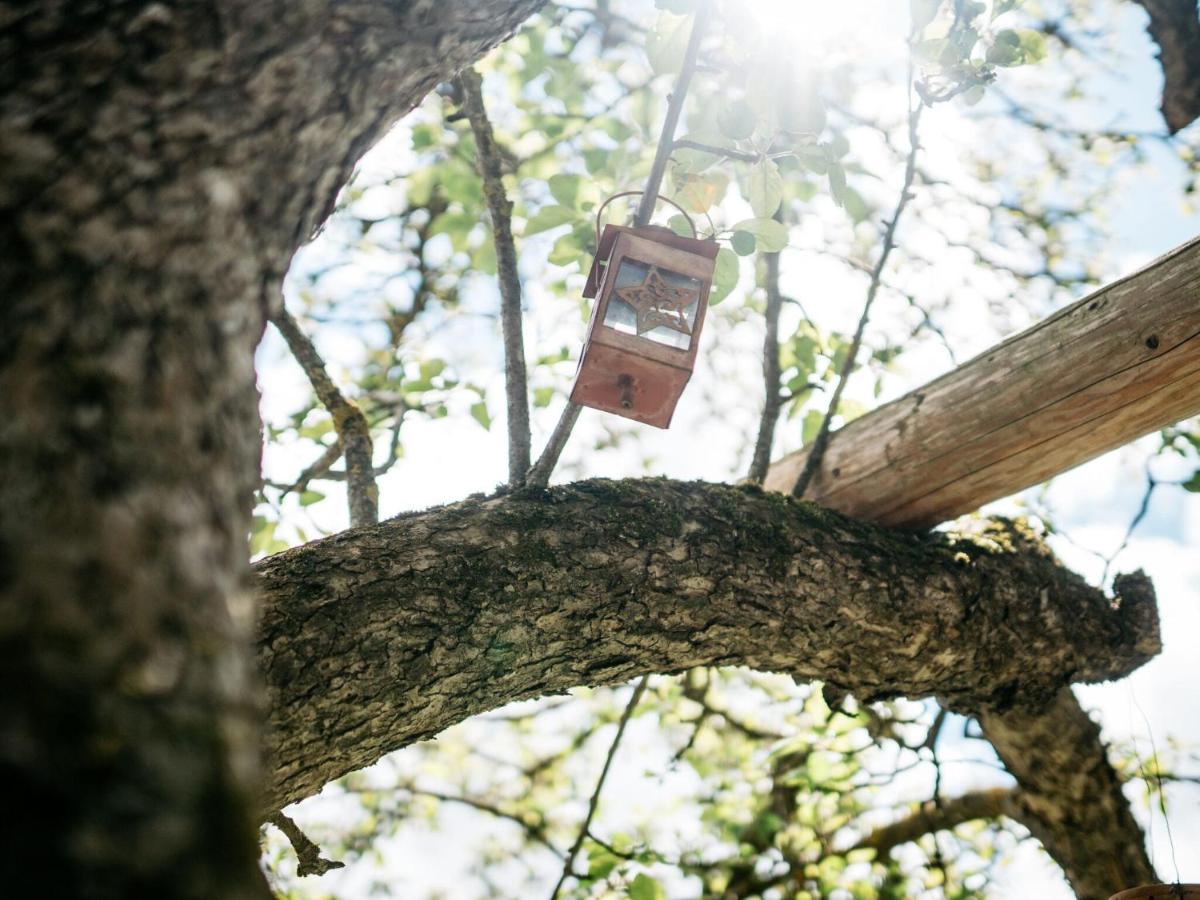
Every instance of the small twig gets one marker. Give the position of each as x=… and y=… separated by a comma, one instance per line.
x=311, y=862
x=489, y=163
x=319, y=467
x=539, y=475
x=1143, y=508
x=533, y=831
x=727, y=152
x=816, y=454
x=772, y=400
x=638, y=690
x=354, y=433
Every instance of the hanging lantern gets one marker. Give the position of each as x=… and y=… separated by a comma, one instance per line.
x=1160, y=892
x=651, y=288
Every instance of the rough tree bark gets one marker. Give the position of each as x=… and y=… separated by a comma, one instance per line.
x=161, y=163
x=1175, y=27
x=379, y=637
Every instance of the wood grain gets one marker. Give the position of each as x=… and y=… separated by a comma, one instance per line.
x=1118, y=364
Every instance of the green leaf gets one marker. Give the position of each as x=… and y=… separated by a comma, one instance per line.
x=483, y=259
x=837, y=184
x=743, y=243
x=263, y=538
x=596, y=159
x=565, y=189
x=812, y=425
x=930, y=50
x=1033, y=45
x=456, y=226
x=549, y=217
x=1006, y=49
x=646, y=888
x=667, y=43
x=737, y=120
x=725, y=276
x=770, y=236
x=542, y=397
x=479, y=412
x=308, y=498
x=461, y=185
x=680, y=225
x=1193, y=483
x=431, y=368
x=923, y=12
x=815, y=159
x=699, y=192
x=856, y=206
x=765, y=188
x=566, y=250
x=600, y=862
x=973, y=95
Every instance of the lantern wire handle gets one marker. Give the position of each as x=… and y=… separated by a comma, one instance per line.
x=664, y=199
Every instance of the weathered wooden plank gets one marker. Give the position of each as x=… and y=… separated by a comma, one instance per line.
x=1117, y=364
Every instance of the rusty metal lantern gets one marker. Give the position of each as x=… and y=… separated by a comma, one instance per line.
x=651, y=287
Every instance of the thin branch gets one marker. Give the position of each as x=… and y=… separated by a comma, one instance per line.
x=533, y=831
x=727, y=152
x=813, y=462
x=1143, y=508
x=321, y=465
x=772, y=400
x=354, y=433
x=638, y=690
x=307, y=853
x=489, y=163
x=931, y=817
x=539, y=475
x=666, y=139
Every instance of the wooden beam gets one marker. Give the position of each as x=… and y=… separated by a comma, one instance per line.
x=1120, y=363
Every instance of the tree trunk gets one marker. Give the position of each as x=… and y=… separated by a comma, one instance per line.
x=161, y=163
x=1070, y=797
x=378, y=637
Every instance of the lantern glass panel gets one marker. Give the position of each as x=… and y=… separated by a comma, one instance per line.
x=652, y=302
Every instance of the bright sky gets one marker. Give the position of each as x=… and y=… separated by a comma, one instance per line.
x=451, y=458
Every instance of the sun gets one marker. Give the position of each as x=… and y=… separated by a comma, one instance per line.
x=825, y=32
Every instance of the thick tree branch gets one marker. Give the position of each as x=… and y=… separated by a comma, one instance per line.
x=382, y=636
x=353, y=430
x=489, y=163
x=1117, y=364
x=1070, y=796
x=1175, y=27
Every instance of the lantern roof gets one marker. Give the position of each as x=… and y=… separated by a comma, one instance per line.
x=657, y=233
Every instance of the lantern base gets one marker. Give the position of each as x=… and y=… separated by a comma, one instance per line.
x=622, y=383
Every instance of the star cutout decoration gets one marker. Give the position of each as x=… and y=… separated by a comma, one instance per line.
x=659, y=303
